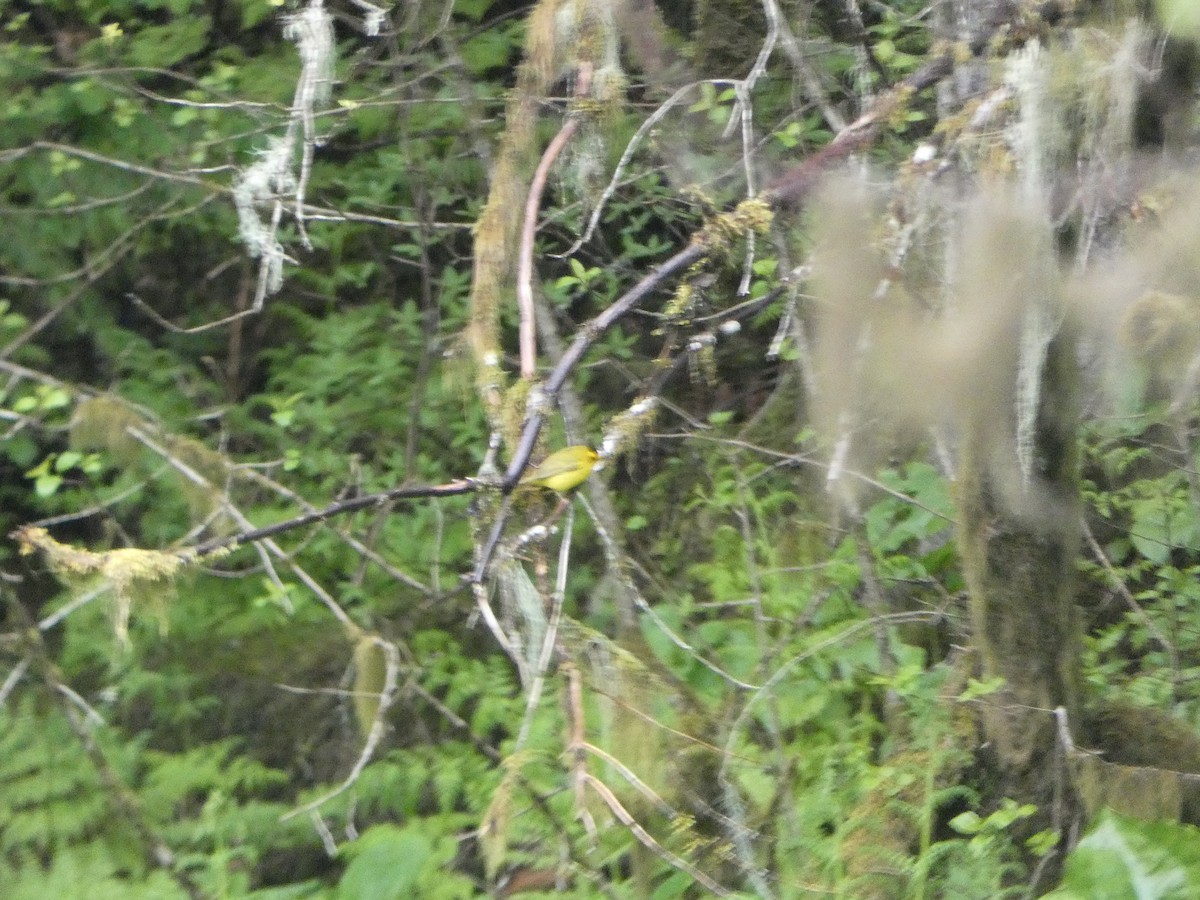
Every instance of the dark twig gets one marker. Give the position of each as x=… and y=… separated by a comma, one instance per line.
x=449, y=489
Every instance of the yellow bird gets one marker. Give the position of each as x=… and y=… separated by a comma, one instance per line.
x=563, y=470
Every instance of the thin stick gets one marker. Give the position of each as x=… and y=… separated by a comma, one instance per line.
x=533, y=202
x=644, y=837
x=1130, y=601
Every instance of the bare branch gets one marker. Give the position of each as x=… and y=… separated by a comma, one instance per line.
x=378, y=728
x=533, y=202
x=625, y=818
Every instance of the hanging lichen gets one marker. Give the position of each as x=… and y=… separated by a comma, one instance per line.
x=493, y=831
x=644, y=720
x=107, y=424
x=370, y=677
x=133, y=576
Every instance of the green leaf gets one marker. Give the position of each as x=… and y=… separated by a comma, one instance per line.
x=56, y=398
x=47, y=485
x=1181, y=17
x=1126, y=858
x=708, y=93
x=1161, y=523
x=63, y=198
x=968, y=822
x=789, y=136
x=163, y=46
x=488, y=50
x=184, y=115
x=68, y=459
x=387, y=864
x=254, y=11
x=976, y=689
x=1043, y=842
x=472, y=9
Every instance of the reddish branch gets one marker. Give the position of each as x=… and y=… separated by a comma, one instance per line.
x=528, y=340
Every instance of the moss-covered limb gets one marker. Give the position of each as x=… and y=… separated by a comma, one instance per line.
x=1139, y=761
x=495, y=241
x=130, y=436
x=497, y=228
x=145, y=576
x=1139, y=736
x=1140, y=792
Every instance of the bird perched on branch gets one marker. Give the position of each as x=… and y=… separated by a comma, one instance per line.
x=562, y=471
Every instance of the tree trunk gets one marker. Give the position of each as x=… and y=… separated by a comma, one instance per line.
x=1019, y=542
